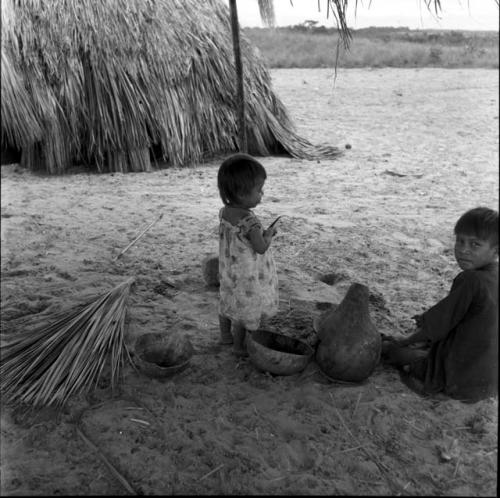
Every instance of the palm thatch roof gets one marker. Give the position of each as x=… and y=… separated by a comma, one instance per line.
x=104, y=83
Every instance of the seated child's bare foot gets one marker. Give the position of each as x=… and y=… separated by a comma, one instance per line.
x=411, y=381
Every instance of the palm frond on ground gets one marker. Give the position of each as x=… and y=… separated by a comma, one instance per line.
x=47, y=365
x=110, y=80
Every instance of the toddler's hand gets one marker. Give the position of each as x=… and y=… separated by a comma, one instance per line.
x=270, y=232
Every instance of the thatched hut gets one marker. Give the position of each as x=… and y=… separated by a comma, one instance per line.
x=114, y=84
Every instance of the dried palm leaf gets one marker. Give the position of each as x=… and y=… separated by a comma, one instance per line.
x=47, y=365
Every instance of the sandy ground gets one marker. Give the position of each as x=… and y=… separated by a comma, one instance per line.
x=424, y=150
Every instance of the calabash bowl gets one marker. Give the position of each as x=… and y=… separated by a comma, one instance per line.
x=277, y=353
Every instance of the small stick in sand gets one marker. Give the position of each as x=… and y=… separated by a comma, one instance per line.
x=140, y=421
x=306, y=374
x=117, y=475
x=357, y=403
x=348, y=449
x=138, y=237
x=212, y=472
x=382, y=468
x=354, y=438
x=413, y=426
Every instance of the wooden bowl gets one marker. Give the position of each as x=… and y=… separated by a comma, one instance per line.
x=162, y=355
x=277, y=353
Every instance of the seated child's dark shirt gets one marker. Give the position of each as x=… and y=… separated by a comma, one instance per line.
x=463, y=328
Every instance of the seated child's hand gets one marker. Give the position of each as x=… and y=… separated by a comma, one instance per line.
x=415, y=337
x=395, y=341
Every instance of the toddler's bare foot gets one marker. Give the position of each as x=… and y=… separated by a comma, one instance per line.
x=240, y=352
x=225, y=330
x=226, y=341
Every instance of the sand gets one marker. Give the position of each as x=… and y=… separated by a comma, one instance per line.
x=424, y=150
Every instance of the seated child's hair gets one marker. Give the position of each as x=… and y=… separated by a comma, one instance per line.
x=481, y=222
x=237, y=176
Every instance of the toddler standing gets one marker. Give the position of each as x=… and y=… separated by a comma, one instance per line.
x=248, y=278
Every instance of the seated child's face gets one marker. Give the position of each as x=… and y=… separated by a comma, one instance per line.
x=472, y=253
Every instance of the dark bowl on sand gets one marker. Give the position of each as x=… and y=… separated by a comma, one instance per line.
x=162, y=355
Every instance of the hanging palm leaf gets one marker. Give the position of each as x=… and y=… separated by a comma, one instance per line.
x=47, y=365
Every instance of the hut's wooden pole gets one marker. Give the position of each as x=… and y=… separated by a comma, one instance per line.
x=240, y=95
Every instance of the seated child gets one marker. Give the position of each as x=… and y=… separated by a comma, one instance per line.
x=248, y=278
x=462, y=328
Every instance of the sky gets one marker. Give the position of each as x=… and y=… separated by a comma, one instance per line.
x=455, y=14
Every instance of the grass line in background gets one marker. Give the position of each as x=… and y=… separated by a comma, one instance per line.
x=303, y=47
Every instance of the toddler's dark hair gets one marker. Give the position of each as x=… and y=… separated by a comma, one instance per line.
x=237, y=176
x=481, y=222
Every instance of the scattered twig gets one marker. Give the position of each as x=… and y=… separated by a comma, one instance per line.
x=117, y=475
x=413, y=426
x=357, y=403
x=456, y=467
x=212, y=472
x=382, y=468
x=169, y=282
x=138, y=237
x=348, y=449
x=488, y=453
x=142, y=406
x=379, y=464
x=336, y=381
x=307, y=375
x=393, y=173
x=140, y=421
x=405, y=487
x=378, y=483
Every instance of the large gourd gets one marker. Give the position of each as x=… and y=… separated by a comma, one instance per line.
x=349, y=344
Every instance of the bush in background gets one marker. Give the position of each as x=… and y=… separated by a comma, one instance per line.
x=312, y=47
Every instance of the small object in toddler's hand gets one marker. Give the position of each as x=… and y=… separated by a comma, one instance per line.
x=273, y=223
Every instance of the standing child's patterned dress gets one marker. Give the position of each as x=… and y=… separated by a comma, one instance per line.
x=248, y=280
